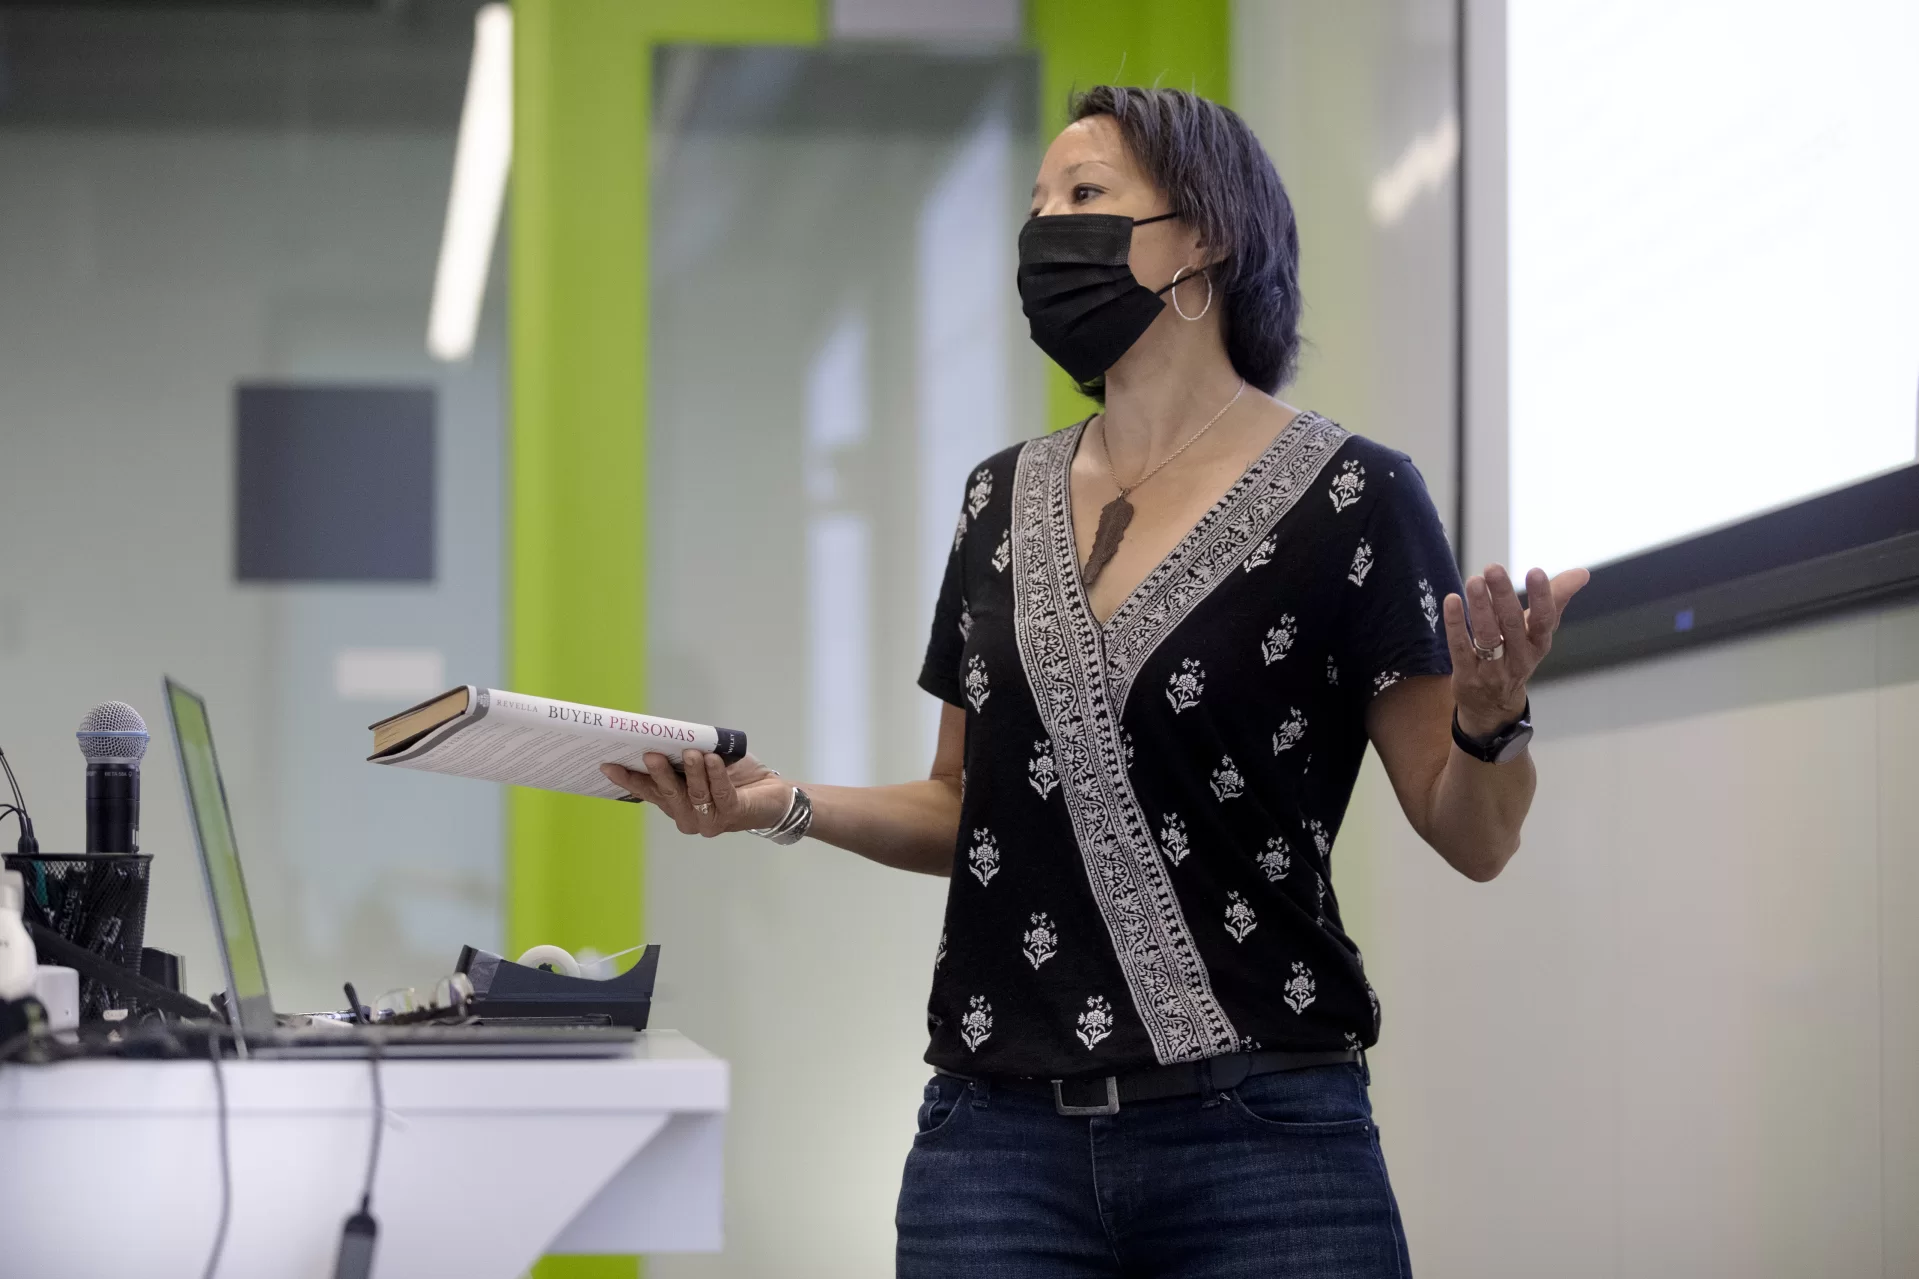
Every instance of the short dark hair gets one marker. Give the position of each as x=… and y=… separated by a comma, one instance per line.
x=1220, y=181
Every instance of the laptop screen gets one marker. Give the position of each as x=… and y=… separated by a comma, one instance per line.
x=220, y=859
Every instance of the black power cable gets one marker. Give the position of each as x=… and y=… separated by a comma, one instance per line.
x=28, y=843
x=361, y=1231
x=226, y=1166
x=379, y=1125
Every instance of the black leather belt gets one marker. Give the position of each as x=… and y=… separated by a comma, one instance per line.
x=1104, y=1094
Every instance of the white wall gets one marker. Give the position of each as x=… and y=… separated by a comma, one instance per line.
x=1677, y=1036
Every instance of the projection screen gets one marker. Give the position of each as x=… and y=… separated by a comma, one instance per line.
x=1692, y=252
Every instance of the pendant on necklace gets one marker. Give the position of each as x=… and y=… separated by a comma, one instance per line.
x=1113, y=519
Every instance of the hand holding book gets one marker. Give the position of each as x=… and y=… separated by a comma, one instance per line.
x=700, y=776
x=711, y=796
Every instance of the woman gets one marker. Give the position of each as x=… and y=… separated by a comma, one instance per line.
x=1164, y=640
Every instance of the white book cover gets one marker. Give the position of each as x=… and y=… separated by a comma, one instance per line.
x=548, y=744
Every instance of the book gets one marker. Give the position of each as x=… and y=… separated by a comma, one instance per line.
x=524, y=740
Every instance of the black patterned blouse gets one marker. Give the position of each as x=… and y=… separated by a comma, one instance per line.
x=1149, y=806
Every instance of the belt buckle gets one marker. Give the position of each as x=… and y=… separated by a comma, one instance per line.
x=1110, y=1108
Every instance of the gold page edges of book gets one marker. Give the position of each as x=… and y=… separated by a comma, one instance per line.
x=397, y=732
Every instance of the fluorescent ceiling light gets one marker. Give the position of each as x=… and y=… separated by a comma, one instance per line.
x=1425, y=163
x=480, y=163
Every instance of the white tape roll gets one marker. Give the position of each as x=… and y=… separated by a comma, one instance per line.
x=553, y=957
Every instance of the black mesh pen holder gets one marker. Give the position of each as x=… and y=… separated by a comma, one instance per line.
x=95, y=900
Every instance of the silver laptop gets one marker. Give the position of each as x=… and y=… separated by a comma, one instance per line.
x=257, y=1030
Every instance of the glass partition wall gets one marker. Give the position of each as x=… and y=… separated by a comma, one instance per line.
x=225, y=455
x=836, y=343
x=217, y=222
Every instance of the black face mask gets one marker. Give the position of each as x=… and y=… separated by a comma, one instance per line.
x=1085, y=308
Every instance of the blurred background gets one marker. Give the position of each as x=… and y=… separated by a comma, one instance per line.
x=307, y=403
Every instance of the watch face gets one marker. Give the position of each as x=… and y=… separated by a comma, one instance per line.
x=1512, y=746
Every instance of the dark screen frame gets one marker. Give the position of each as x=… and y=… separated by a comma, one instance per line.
x=1853, y=548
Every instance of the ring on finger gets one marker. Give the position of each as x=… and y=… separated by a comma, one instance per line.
x=1489, y=653
x=704, y=809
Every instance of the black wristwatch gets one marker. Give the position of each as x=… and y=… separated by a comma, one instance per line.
x=1502, y=745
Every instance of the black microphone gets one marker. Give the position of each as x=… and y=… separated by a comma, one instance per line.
x=113, y=737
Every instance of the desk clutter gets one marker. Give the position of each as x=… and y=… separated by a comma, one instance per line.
x=77, y=979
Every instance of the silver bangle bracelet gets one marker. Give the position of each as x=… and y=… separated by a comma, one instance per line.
x=791, y=828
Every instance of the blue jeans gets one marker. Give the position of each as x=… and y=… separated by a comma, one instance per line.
x=1279, y=1177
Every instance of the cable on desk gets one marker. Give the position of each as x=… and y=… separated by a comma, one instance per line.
x=379, y=1123
x=358, y=1235
x=226, y=1167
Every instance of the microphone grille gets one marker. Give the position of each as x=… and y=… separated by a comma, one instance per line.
x=112, y=730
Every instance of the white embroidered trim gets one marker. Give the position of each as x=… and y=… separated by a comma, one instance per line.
x=1059, y=646
x=1222, y=540
x=1262, y=554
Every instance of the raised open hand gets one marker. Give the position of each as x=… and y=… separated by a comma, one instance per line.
x=1495, y=656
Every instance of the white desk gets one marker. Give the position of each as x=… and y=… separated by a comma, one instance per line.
x=111, y=1168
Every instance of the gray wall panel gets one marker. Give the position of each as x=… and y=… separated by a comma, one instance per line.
x=333, y=483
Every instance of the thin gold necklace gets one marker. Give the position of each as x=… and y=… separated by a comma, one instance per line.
x=1118, y=513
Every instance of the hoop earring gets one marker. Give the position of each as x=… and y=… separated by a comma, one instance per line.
x=1174, y=290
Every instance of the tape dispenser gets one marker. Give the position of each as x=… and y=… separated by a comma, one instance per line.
x=546, y=986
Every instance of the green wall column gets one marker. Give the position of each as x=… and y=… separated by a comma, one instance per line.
x=1177, y=44
x=578, y=297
